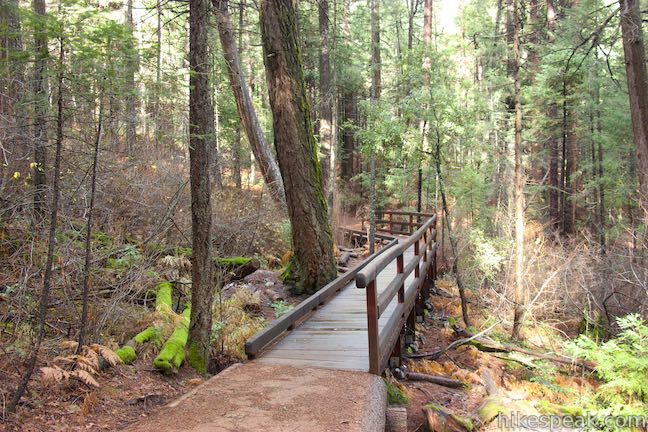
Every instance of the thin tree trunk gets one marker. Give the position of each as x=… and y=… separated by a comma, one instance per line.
x=51, y=242
x=553, y=194
x=519, y=293
x=158, y=77
x=201, y=133
x=83, y=323
x=131, y=96
x=635, y=61
x=247, y=113
x=427, y=66
x=236, y=147
x=375, y=97
x=313, y=263
x=326, y=96
x=40, y=111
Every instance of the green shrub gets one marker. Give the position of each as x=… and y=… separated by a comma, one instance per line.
x=622, y=363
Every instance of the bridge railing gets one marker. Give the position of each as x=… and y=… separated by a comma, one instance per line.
x=291, y=319
x=399, y=222
x=382, y=343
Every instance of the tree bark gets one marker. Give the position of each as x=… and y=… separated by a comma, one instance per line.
x=635, y=61
x=313, y=264
x=83, y=322
x=326, y=98
x=131, y=97
x=262, y=152
x=40, y=111
x=519, y=292
x=51, y=242
x=201, y=133
x=553, y=194
x=375, y=97
x=423, y=124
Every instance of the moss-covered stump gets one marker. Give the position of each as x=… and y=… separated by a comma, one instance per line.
x=172, y=353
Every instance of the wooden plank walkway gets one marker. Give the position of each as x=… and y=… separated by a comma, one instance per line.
x=335, y=336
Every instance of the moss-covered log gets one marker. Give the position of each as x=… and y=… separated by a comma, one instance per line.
x=237, y=267
x=163, y=305
x=172, y=354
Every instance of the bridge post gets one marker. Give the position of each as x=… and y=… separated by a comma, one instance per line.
x=372, y=329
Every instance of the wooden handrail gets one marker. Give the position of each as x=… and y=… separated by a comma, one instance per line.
x=422, y=264
x=291, y=319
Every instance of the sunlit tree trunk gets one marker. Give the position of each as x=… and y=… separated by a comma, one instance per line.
x=313, y=264
x=519, y=291
x=326, y=95
x=201, y=133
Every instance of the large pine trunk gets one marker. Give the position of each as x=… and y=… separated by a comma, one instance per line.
x=201, y=133
x=247, y=113
x=635, y=61
x=313, y=263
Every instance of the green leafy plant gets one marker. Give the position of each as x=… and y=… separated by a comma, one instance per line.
x=281, y=307
x=622, y=363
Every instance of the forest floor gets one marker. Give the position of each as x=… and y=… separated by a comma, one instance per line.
x=523, y=390
x=126, y=393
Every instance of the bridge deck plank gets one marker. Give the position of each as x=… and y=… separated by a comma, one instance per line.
x=335, y=336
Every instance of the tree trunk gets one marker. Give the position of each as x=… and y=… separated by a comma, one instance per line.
x=635, y=61
x=423, y=124
x=260, y=149
x=11, y=80
x=83, y=322
x=201, y=133
x=132, y=65
x=375, y=97
x=51, y=242
x=349, y=115
x=313, y=264
x=553, y=194
x=326, y=96
x=40, y=111
x=236, y=146
x=519, y=292
x=158, y=77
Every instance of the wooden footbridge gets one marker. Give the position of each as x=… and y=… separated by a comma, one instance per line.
x=309, y=368
x=362, y=319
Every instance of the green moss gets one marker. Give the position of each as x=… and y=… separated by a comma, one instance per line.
x=490, y=408
x=232, y=261
x=172, y=353
x=127, y=354
x=395, y=395
x=102, y=238
x=147, y=335
x=465, y=422
x=196, y=358
x=186, y=251
x=547, y=407
x=164, y=296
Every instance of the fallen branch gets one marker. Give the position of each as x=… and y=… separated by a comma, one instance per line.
x=436, y=354
x=435, y=379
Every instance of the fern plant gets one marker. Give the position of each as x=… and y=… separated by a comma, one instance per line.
x=622, y=364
